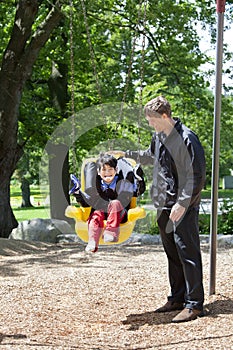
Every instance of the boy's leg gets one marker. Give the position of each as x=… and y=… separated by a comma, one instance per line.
x=95, y=227
x=116, y=214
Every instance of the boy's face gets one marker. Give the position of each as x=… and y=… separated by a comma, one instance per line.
x=107, y=173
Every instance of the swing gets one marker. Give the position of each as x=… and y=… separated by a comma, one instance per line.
x=81, y=214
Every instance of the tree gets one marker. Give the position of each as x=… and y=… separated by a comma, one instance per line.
x=18, y=59
x=171, y=67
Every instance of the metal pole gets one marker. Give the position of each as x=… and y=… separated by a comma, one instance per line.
x=216, y=146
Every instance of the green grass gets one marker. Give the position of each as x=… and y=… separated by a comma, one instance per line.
x=206, y=194
x=39, y=210
x=22, y=214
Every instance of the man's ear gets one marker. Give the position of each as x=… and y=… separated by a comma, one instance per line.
x=165, y=116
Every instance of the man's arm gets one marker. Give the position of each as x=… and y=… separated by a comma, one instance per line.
x=191, y=177
x=144, y=157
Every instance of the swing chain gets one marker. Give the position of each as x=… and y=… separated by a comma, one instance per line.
x=139, y=16
x=91, y=49
x=94, y=65
x=141, y=86
x=72, y=86
x=72, y=58
x=132, y=53
x=142, y=71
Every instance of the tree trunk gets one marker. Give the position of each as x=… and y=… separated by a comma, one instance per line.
x=59, y=160
x=9, y=155
x=18, y=59
x=7, y=218
x=26, y=194
x=58, y=184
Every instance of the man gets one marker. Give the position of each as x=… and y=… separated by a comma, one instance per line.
x=178, y=178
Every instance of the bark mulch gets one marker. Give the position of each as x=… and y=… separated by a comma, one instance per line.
x=56, y=297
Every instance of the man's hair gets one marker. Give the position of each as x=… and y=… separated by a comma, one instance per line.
x=158, y=105
x=106, y=159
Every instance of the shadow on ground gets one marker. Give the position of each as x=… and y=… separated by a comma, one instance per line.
x=214, y=309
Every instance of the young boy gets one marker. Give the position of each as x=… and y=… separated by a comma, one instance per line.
x=109, y=199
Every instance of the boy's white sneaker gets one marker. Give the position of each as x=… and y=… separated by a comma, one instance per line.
x=108, y=238
x=91, y=246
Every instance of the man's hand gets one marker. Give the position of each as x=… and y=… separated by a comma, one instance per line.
x=116, y=154
x=177, y=212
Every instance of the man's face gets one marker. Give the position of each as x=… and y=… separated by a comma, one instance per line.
x=107, y=173
x=159, y=123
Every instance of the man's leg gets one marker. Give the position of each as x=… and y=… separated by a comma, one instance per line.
x=188, y=246
x=175, y=268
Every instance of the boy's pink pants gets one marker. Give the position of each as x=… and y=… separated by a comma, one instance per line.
x=115, y=215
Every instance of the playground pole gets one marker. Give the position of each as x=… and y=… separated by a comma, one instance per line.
x=216, y=145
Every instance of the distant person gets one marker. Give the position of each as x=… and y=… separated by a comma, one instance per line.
x=178, y=178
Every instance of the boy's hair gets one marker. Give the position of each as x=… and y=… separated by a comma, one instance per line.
x=106, y=159
x=158, y=105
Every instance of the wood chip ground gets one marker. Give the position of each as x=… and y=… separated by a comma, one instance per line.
x=56, y=297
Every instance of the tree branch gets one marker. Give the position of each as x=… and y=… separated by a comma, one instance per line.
x=25, y=15
x=40, y=38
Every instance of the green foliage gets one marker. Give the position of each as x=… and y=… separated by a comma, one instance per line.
x=108, y=66
x=149, y=224
x=204, y=224
x=7, y=13
x=226, y=218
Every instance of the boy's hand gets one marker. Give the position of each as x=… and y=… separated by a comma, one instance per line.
x=76, y=184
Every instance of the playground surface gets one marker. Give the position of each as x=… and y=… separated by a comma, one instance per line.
x=56, y=297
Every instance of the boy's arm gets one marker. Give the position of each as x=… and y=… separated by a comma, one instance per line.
x=125, y=190
x=80, y=196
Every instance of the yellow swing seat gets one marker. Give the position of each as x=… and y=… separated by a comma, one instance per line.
x=81, y=214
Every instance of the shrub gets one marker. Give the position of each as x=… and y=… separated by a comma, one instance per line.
x=148, y=225
x=225, y=222
x=204, y=224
